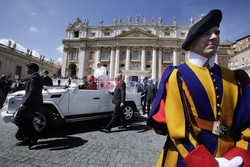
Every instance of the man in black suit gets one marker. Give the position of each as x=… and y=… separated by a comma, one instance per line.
x=151, y=91
x=118, y=100
x=144, y=94
x=5, y=84
x=32, y=101
x=143, y=88
x=47, y=81
x=18, y=85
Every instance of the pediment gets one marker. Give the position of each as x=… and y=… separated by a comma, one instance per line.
x=77, y=25
x=136, y=33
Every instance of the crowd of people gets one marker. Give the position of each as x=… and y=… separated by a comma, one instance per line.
x=33, y=98
x=5, y=86
x=88, y=82
x=148, y=91
x=19, y=84
x=9, y=86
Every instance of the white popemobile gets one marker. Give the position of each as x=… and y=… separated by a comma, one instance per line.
x=73, y=104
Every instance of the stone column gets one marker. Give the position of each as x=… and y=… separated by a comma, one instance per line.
x=112, y=59
x=187, y=55
x=127, y=66
x=68, y=35
x=64, y=62
x=117, y=61
x=154, y=64
x=84, y=33
x=159, y=63
x=143, y=61
x=97, y=56
x=81, y=60
x=175, y=59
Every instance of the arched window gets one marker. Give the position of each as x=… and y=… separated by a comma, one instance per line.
x=91, y=55
x=135, y=55
x=72, y=70
x=123, y=55
x=73, y=55
x=18, y=71
x=182, y=58
x=166, y=56
x=105, y=55
x=149, y=56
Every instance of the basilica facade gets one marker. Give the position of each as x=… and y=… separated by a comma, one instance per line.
x=137, y=49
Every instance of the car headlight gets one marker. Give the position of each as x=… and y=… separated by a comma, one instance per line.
x=6, y=102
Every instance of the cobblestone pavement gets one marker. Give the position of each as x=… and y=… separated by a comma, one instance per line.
x=82, y=144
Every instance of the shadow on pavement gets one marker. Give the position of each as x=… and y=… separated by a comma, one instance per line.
x=139, y=128
x=133, y=127
x=61, y=128
x=62, y=143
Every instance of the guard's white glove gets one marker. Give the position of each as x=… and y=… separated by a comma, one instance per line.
x=122, y=104
x=235, y=162
x=223, y=162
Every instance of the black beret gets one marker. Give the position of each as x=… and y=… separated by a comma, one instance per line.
x=33, y=66
x=213, y=18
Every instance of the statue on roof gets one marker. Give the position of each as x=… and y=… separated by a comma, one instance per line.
x=120, y=20
x=86, y=22
x=9, y=43
x=101, y=21
x=174, y=21
x=137, y=19
x=153, y=21
x=14, y=45
x=202, y=15
x=191, y=21
x=114, y=21
x=144, y=20
x=160, y=21
x=129, y=19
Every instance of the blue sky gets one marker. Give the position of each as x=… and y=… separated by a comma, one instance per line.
x=40, y=24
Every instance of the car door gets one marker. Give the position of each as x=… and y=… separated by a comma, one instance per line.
x=84, y=101
x=106, y=101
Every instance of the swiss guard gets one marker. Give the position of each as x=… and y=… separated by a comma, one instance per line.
x=203, y=108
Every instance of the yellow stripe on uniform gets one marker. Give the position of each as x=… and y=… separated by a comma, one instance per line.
x=203, y=75
x=191, y=108
x=172, y=156
x=171, y=159
x=182, y=150
x=174, y=113
x=224, y=144
x=228, y=104
x=160, y=159
x=244, y=142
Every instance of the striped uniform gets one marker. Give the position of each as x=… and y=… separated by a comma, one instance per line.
x=215, y=94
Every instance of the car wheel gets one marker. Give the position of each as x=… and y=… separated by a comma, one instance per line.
x=39, y=121
x=129, y=111
x=42, y=120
